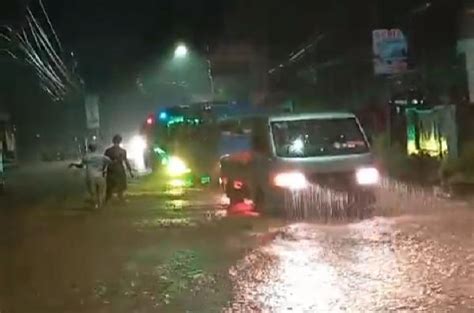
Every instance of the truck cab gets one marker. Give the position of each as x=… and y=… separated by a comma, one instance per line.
x=316, y=156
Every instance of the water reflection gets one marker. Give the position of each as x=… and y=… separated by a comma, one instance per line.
x=305, y=283
x=324, y=269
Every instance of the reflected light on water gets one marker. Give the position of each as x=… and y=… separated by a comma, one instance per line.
x=178, y=204
x=175, y=191
x=304, y=284
x=224, y=200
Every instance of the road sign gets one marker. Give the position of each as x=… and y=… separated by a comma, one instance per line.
x=390, y=51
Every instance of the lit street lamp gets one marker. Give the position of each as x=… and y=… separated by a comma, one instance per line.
x=181, y=51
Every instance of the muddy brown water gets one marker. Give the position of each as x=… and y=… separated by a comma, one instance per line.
x=174, y=253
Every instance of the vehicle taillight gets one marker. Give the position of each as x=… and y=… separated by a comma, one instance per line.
x=238, y=185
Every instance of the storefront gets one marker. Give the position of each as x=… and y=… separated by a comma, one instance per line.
x=423, y=128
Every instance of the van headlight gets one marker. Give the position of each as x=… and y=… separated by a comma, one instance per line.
x=290, y=180
x=367, y=176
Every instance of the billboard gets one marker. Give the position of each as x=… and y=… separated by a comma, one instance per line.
x=390, y=51
x=92, y=112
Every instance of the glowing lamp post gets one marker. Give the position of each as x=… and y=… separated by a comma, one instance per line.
x=181, y=51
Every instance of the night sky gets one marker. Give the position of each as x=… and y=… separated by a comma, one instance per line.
x=110, y=33
x=107, y=33
x=115, y=40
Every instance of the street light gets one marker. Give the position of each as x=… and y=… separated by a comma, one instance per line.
x=181, y=51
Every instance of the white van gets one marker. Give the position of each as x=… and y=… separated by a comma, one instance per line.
x=302, y=154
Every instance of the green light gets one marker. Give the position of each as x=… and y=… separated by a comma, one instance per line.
x=175, y=120
x=205, y=180
x=159, y=150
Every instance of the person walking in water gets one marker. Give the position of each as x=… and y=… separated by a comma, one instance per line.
x=116, y=175
x=95, y=164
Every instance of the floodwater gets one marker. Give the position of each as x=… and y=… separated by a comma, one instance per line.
x=411, y=263
x=183, y=252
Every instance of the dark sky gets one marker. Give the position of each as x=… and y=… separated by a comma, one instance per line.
x=106, y=34
x=110, y=36
x=116, y=39
x=123, y=35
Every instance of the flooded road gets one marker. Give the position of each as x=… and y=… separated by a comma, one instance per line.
x=405, y=264
x=182, y=252
x=158, y=252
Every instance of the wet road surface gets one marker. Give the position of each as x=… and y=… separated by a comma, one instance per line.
x=159, y=252
x=411, y=263
x=177, y=252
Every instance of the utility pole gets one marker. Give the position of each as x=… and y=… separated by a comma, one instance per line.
x=210, y=74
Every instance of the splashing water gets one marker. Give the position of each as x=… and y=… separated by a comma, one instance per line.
x=316, y=202
x=322, y=203
x=391, y=196
x=399, y=197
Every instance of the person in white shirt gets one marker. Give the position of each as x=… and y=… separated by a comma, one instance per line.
x=95, y=165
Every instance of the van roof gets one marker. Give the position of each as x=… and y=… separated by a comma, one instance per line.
x=314, y=115
x=278, y=116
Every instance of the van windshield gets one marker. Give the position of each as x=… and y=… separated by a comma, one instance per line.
x=318, y=137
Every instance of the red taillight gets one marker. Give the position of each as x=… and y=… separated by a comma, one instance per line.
x=238, y=185
x=149, y=121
